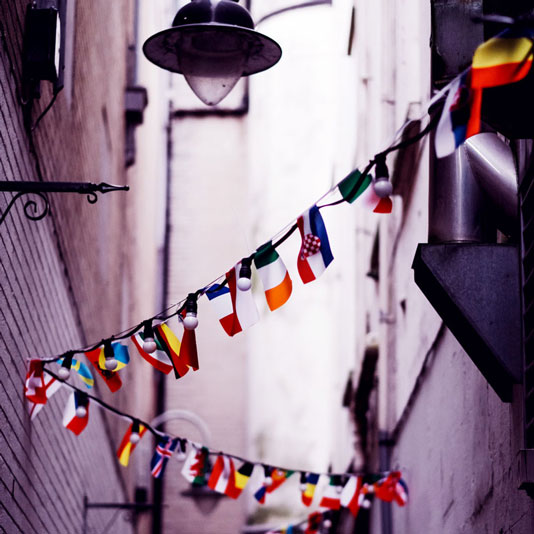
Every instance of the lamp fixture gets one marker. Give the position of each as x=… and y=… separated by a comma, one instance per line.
x=213, y=44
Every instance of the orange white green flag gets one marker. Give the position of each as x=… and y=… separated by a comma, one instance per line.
x=274, y=276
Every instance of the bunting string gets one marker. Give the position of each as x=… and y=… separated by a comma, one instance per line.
x=282, y=236
x=352, y=490
x=159, y=434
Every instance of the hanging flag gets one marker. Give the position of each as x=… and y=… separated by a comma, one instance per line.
x=188, y=349
x=51, y=385
x=82, y=370
x=197, y=466
x=347, y=186
x=503, y=59
x=222, y=478
x=97, y=358
x=314, y=523
x=332, y=495
x=164, y=450
x=315, y=254
x=221, y=299
x=236, y=309
x=242, y=476
x=272, y=482
x=309, y=486
x=392, y=488
x=158, y=359
x=127, y=447
x=171, y=345
x=451, y=130
x=350, y=496
x=71, y=420
x=35, y=386
x=274, y=276
x=120, y=353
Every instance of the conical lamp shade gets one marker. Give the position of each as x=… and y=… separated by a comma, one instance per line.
x=212, y=63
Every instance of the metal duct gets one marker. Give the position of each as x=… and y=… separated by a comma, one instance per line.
x=456, y=202
x=492, y=164
x=473, y=192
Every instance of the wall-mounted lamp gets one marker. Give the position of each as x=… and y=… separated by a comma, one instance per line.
x=42, y=55
x=212, y=43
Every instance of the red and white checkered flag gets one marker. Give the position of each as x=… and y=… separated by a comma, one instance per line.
x=311, y=244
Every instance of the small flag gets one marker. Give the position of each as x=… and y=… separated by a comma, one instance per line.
x=71, y=421
x=236, y=309
x=97, y=358
x=242, y=476
x=188, y=350
x=274, y=276
x=221, y=299
x=164, y=450
x=315, y=254
x=350, y=496
x=310, y=484
x=314, y=523
x=277, y=478
x=222, y=478
x=452, y=127
x=392, y=488
x=127, y=447
x=35, y=386
x=120, y=353
x=83, y=371
x=332, y=495
x=503, y=59
x=353, y=185
x=197, y=466
x=51, y=385
x=171, y=345
x=158, y=359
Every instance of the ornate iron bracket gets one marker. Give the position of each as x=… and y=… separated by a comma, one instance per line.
x=34, y=212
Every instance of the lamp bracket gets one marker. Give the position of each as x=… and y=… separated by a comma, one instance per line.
x=33, y=211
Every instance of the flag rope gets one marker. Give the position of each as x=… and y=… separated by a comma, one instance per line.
x=284, y=234
x=159, y=434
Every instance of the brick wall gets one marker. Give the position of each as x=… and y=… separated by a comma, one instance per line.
x=63, y=280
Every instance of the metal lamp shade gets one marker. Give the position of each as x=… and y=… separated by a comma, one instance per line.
x=210, y=50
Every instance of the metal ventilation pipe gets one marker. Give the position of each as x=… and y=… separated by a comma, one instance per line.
x=492, y=163
x=473, y=192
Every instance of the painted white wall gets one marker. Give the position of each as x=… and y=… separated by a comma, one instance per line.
x=302, y=140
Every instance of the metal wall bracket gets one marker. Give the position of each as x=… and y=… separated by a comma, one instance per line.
x=475, y=289
x=33, y=211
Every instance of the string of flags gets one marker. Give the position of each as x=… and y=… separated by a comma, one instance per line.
x=504, y=59
x=222, y=472
x=167, y=340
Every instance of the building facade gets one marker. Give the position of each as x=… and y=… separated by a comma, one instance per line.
x=79, y=274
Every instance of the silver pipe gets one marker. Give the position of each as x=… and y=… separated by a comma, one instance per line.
x=492, y=164
x=456, y=201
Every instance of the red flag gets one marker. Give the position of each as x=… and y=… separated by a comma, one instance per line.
x=35, y=387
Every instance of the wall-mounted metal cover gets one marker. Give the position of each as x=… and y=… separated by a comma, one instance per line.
x=475, y=289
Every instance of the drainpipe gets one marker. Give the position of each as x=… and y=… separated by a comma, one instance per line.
x=159, y=378
x=385, y=443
